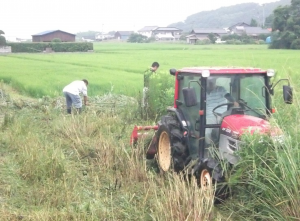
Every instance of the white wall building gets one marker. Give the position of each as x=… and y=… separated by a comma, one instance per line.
x=147, y=31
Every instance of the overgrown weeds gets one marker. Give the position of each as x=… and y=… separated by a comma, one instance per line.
x=81, y=167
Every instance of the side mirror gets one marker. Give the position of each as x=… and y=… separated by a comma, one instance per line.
x=173, y=71
x=287, y=94
x=189, y=96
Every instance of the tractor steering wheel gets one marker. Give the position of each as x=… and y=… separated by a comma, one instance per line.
x=221, y=105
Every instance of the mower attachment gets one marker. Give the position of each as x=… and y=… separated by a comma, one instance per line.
x=135, y=135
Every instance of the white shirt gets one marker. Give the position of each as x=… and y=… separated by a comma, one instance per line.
x=76, y=87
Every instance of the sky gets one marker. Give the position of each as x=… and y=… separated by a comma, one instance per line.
x=23, y=18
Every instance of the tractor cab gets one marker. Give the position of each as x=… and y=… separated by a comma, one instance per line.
x=216, y=105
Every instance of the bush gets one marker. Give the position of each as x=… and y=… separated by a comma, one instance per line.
x=233, y=42
x=203, y=42
x=295, y=44
x=137, y=38
x=151, y=39
x=248, y=41
x=261, y=42
x=2, y=41
x=56, y=46
x=56, y=40
x=161, y=93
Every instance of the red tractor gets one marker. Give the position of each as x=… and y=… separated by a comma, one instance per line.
x=212, y=108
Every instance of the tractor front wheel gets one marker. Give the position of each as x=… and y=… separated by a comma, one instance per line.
x=206, y=181
x=209, y=175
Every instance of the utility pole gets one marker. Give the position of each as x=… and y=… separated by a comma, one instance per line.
x=263, y=23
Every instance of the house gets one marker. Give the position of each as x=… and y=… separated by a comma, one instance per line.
x=103, y=36
x=48, y=36
x=201, y=34
x=147, y=31
x=250, y=31
x=166, y=33
x=240, y=24
x=123, y=35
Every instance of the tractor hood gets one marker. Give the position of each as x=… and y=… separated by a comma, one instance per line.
x=236, y=125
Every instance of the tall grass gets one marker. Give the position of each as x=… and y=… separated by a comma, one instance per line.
x=82, y=167
x=266, y=182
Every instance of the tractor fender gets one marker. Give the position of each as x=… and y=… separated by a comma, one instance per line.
x=179, y=116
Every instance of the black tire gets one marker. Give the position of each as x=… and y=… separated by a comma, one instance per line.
x=210, y=174
x=170, y=126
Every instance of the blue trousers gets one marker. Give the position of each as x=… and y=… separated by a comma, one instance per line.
x=73, y=99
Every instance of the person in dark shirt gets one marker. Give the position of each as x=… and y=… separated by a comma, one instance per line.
x=147, y=75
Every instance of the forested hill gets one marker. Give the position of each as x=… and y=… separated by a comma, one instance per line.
x=228, y=16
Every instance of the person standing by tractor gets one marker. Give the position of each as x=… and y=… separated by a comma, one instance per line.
x=72, y=93
x=147, y=75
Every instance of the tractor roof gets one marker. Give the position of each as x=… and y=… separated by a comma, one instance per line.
x=223, y=70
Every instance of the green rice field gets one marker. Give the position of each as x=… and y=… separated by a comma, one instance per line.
x=120, y=66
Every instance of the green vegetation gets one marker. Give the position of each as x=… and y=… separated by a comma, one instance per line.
x=55, y=45
x=286, y=26
x=113, y=64
x=81, y=167
x=137, y=38
x=57, y=40
x=231, y=15
x=2, y=39
x=244, y=39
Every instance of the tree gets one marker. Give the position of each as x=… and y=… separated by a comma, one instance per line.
x=253, y=23
x=137, y=38
x=269, y=21
x=286, y=26
x=212, y=37
x=2, y=39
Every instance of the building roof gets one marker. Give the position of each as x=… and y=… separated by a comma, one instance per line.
x=223, y=70
x=124, y=32
x=48, y=32
x=148, y=28
x=209, y=30
x=239, y=24
x=167, y=29
x=256, y=30
x=250, y=30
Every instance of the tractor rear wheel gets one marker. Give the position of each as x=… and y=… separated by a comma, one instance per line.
x=164, y=149
x=171, y=151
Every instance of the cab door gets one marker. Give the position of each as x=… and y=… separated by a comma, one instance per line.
x=189, y=104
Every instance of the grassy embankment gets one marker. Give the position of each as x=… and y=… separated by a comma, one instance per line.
x=57, y=167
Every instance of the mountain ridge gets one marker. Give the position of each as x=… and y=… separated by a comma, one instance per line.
x=229, y=15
